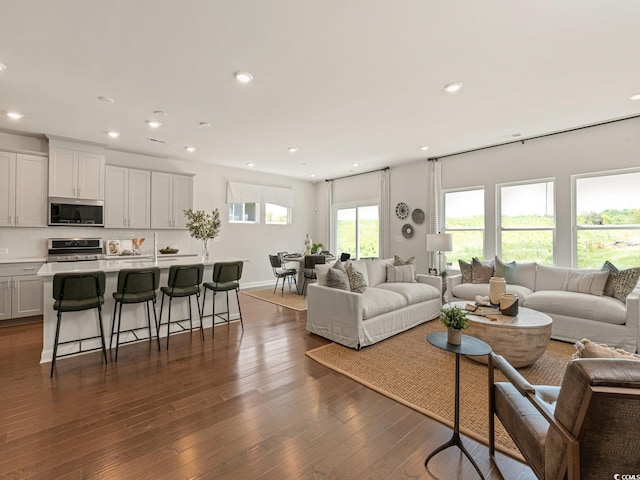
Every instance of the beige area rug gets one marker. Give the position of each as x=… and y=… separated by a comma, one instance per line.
x=289, y=299
x=409, y=370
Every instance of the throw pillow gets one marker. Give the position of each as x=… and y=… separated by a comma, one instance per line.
x=357, y=282
x=403, y=273
x=466, y=269
x=585, y=282
x=585, y=348
x=508, y=271
x=337, y=277
x=621, y=282
x=397, y=261
x=481, y=271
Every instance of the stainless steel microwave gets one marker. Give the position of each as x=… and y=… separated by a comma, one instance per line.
x=69, y=211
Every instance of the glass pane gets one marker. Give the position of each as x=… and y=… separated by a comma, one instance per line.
x=608, y=200
x=466, y=245
x=464, y=209
x=620, y=247
x=528, y=205
x=276, y=214
x=250, y=210
x=235, y=212
x=528, y=246
x=346, y=230
x=369, y=232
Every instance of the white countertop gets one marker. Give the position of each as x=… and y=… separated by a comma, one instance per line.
x=23, y=260
x=164, y=262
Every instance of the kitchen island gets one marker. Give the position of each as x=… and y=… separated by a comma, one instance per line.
x=85, y=324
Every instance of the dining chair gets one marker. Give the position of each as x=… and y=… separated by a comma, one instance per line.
x=282, y=273
x=344, y=257
x=226, y=277
x=310, y=262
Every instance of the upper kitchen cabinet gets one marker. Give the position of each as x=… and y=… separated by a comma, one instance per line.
x=128, y=196
x=171, y=195
x=76, y=170
x=23, y=190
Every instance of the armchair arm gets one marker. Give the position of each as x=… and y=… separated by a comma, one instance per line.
x=430, y=280
x=518, y=381
x=453, y=281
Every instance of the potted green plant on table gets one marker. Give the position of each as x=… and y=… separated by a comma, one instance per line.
x=203, y=226
x=456, y=320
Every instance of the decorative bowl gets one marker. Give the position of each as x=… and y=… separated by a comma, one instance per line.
x=168, y=250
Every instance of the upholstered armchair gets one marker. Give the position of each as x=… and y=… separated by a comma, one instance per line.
x=589, y=428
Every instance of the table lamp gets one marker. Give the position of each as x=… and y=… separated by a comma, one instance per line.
x=440, y=242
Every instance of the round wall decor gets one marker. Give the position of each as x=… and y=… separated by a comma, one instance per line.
x=417, y=215
x=402, y=211
x=407, y=230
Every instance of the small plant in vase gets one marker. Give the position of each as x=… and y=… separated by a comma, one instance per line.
x=203, y=226
x=456, y=320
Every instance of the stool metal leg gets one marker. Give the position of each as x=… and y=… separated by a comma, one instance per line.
x=169, y=323
x=113, y=321
x=118, y=334
x=104, y=346
x=201, y=315
x=155, y=320
x=239, y=310
x=55, y=344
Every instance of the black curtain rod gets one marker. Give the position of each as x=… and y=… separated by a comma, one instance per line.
x=356, y=174
x=522, y=140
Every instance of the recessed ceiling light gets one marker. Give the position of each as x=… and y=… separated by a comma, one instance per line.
x=635, y=96
x=2, y=67
x=190, y=149
x=160, y=113
x=154, y=123
x=452, y=87
x=204, y=124
x=355, y=164
x=106, y=99
x=424, y=148
x=292, y=149
x=113, y=134
x=312, y=175
x=15, y=115
x=243, y=77
x=251, y=164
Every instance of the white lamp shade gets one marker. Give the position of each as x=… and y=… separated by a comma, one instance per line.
x=439, y=242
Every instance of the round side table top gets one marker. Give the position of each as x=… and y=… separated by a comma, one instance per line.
x=468, y=346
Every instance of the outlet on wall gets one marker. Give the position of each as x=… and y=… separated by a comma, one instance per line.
x=4, y=251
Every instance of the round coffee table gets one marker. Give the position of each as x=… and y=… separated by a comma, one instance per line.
x=521, y=340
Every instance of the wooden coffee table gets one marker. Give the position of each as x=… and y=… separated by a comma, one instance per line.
x=521, y=340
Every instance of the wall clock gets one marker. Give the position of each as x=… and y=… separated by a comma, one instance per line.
x=402, y=211
x=407, y=231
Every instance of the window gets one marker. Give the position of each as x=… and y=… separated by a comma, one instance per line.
x=243, y=213
x=527, y=222
x=358, y=231
x=607, y=219
x=276, y=214
x=464, y=219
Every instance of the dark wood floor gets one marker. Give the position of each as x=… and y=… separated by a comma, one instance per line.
x=242, y=406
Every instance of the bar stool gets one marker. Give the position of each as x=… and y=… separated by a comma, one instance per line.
x=184, y=281
x=226, y=277
x=135, y=285
x=76, y=292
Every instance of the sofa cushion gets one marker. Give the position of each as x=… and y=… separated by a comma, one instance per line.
x=620, y=282
x=412, y=292
x=468, y=291
x=403, y=273
x=585, y=348
x=376, y=270
x=585, y=282
x=466, y=270
x=550, y=278
x=527, y=274
x=357, y=281
x=482, y=271
x=378, y=301
x=337, y=277
x=508, y=271
x=580, y=305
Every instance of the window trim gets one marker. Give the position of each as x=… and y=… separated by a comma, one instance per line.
x=246, y=222
x=289, y=215
x=443, y=213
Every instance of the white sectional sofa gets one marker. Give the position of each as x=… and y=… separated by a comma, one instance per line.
x=382, y=310
x=575, y=315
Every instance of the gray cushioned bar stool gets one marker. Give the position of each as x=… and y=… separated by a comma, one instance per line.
x=184, y=281
x=226, y=277
x=75, y=292
x=135, y=285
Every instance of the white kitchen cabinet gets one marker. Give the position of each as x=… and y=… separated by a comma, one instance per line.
x=76, y=173
x=127, y=198
x=20, y=290
x=171, y=194
x=23, y=187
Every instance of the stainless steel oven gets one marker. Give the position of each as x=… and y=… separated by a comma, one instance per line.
x=68, y=211
x=75, y=249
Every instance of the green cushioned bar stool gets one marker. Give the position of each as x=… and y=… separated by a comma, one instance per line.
x=184, y=281
x=135, y=285
x=226, y=277
x=75, y=292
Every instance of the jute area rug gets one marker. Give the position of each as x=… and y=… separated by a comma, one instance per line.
x=289, y=299
x=409, y=370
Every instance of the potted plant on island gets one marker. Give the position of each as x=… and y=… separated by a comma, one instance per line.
x=456, y=320
x=203, y=226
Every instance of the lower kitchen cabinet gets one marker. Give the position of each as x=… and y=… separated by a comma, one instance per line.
x=20, y=290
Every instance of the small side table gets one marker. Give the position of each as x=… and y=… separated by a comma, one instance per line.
x=468, y=346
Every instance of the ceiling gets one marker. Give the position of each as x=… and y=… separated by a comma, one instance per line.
x=343, y=81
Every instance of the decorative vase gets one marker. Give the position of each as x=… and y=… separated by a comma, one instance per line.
x=497, y=288
x=205, y=249
x=307, y=245
x=509, y=304
x=454, y=336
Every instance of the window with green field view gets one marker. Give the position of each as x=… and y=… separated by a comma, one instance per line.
x=527, y=222
x=608, y=220
x=276, y=214
x=464, y=219
x=358, y=231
